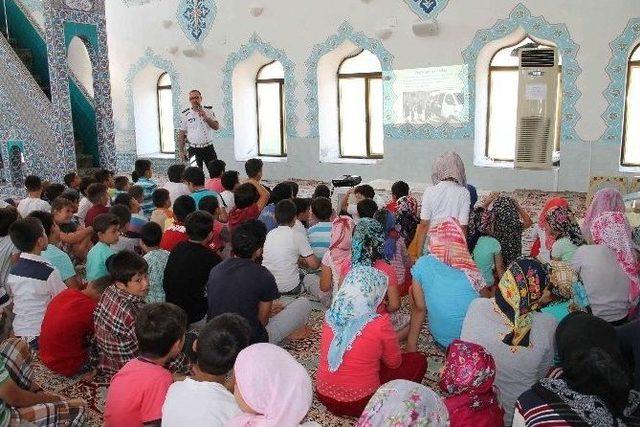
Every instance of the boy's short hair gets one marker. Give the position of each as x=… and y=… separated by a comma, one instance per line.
x=160, y=197
x=281, y=191
x=85, y=183
x=124, y=265
x=321, y=208
x=253, y=167
x=46, y=219
x=193, y=175
x=216, y=168
x=53, y=191
x=102, y=222
x=96, y=191
x=209, y=204
x=367, y=208
x=294, y=188
x=245, y=195
x=302, y=204
x=229, y=180
x=25, y=232
x=174, y=173
x=400, y=189
x=8, y=216
x=220, y=341
x=137, y=192
x=101, y=284
x=158, y=327
x=123, y=199
x=248, y=237
x=103, y=175
x=183, y=206
x=151, y=234
x=321, y=191
x=33, y=183
x=123, y=213
x=199, y=225
x=365, y=190
x=285, y=212
x=68, y=178
x=71, y=195
x=61, y=203
x=121, y=182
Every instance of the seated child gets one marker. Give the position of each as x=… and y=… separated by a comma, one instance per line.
x=361, y=192
x=72, y=180
x=321, y=191
x=76, y=240
x=107, y=227
x=194, y=178
x=9, y=254
x=127, y=241
x=137, y=392
x=162, y=212
x=216, y=169
x=221, y=235
x=282, y=191
x=320, y=234
x=33, y=201
x=246, y=206
x=487, y=252
x=203, y=398
x=398, y=189
x=84, y=204
x=229, y=181
x=156, y=259
x=105, y=177
x=67, y=328
x=175, y=185
x=32, y=281
x=176, y=233
x=122, y=185
x=253, y=169
x=138, y=218
x=99, y=198
x=303, y=211
x=366, y=208
x=564, y=228
x=52, y=192
x=142, y=177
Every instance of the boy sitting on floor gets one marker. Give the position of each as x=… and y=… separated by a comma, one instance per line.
x=107, y=226
x=76, y=239
x=33, y=201
x=177, y=233
x=99, y=198
x=216, y=168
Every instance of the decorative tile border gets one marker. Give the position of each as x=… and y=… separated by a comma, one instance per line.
x=617, y=69
x=256, y=44
x=426, y=9
x=196, y=18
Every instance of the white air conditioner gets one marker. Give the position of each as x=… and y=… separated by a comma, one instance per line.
x=537, y=107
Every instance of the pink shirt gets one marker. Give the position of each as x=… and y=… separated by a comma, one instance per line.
x=359, y=374
x=214, y=184
x=381, y=266
x=136, y=394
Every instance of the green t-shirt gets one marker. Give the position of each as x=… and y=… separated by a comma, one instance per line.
x=563, y=249
x=97, y=261
x=484, y=256
x=60, y=260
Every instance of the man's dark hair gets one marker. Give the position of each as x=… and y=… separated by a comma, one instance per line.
x=25, y=232
x=160, y=197
x=33, y=183
x=302, y=204
x=367, y=208
x=245, y=195
x=68, y=178
x=321, y=191
x=366, y=190
x=209, y=204
x=121, y=182
x=72, y=195
x=248, y=237
x=53, y=191
x=294, y=188
x=103, y=175
x=285, y=212
x=123, y=213
x=216, y=168
x=151, y=234
x=400, y=189
x=85, y=182
x=123, y=199
x=229, y=179
x=196, y=90
x=8, y=216
x=158, y=327
x=46, y=219
x=322, y=209
x=95, y=191
x=253, y=167
x=102, y=222
x=182, y=207
x=141, y=167
x=124, y=265
x=281, y=191
x=137, y=192
x=199, y=225
x=174, y=173
x=194, y=175
x=220, y=341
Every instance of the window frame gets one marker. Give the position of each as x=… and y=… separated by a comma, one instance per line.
x=280, y=82
x=367, y=79
x=158, y=89
x=631, y=64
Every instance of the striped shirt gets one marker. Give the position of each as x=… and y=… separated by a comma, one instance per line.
x=320, y=238
x=148, y=186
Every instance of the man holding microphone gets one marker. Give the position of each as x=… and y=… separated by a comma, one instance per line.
x=197, y=123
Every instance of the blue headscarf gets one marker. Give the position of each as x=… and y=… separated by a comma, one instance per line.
x=353, y=307
x=388, y=221
x=367, y=244
x=473, y=195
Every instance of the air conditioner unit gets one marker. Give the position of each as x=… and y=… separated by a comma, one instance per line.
x=537, y=107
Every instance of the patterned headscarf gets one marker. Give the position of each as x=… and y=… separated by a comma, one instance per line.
x=353, y=307
x=340, y=245
x=508, y=227
x=518, y=293
x=404, y=403
x=449, y=166
x=605, y=200
x=562, y=222
x=367, y=245
x=387, y=220
x=480, y=223
x=407, y=218
x=612, y=230
x=542, y=218
x=448, y=244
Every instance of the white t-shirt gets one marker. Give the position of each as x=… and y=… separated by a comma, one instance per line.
x=229, y=200
x=30, y=204
x=176, y=189
x=299, y=227
x=446, y=200
x=83, y=208
x=198, y=403
x=282, y=249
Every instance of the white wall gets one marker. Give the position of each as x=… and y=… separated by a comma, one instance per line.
x=296, y=26
x=80, y=64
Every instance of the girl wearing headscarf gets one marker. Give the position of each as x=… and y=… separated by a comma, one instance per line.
x=339, y=252
x=509, y=222
x=594, y=387
x=511, y=329
x=271, y=388
x=565, y=293
x=563, y=227
x=541, y=248
x=395, y=250
x=605, y=200
x=466, y=382
x=359, y=349
x=404, y=403
x=486, y=250
x=444, y=284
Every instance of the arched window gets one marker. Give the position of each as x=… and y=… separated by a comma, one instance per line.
x=503, y=102
x=361, y=133
x=631, y=132
x=270, y=109
x=165, y=114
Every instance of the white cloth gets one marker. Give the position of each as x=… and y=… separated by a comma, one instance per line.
x=198, y=131
x=30, y=204
x=229, y=200
x=299, y=227
x=446, y=200
x=282, y=249
x=83, y=208
x=176, y=189
x=198, y=404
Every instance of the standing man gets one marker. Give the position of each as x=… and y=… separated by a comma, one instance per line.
x=196, y=126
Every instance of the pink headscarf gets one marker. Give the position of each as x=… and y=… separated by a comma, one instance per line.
x=605, y=200
x=274, y=385
x=341, y=233
x=449, y=165
x=554, y=202
x=612, y=230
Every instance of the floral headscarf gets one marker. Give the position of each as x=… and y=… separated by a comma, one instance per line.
x=449, y=165
x=480, y=223
x=340, y=245
x=367, y=244
x=448, y=244
x=508, y=227
x=554, y=202
x=565, y=284
x=353, y=307
x=605, y=200
x=518, y=293
x=612, y=230
x=561, y=221
x=407, y=218
x=404, y=403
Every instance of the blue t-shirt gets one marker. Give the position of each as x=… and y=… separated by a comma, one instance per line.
x=320, y=238
x=268, y=217
x=484, y=256
x=60, y=260
x=148, y=187
x=202, y=193
x=97, y=261
x=447, y=293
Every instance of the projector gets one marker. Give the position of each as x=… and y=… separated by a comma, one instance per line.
x=346, y=181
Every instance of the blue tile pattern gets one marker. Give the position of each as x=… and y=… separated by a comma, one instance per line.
x=196, y=18
x=427, y=8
